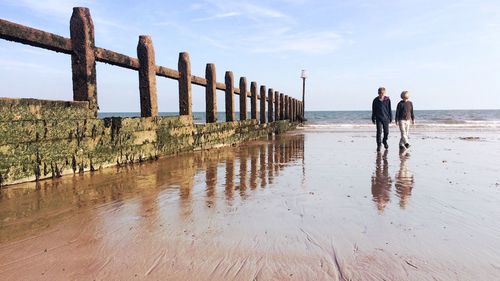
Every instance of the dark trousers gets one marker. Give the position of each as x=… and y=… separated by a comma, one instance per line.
x=382, y=125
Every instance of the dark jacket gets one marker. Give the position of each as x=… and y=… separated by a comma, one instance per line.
x=404, y=111
x=381, y=109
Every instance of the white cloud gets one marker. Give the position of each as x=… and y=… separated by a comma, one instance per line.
x=218, y=16
x=243, y=8
x=61, y=10
x=15, y=65
x=264, y=24
x=57, y=8
x=304, y=42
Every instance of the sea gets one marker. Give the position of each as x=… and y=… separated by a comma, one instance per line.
x=480, y=119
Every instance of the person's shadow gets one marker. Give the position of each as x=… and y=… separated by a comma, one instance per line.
x=381, y=182
x=404, y=180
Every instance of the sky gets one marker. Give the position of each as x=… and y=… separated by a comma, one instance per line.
x=446, y=52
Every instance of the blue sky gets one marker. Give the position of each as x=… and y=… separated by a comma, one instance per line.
x=446, y=53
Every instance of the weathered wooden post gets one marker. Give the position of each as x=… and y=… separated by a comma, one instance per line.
x=299, y=106
x=147, y=77
x=253, y=100
x=229, y=80
x=83, y=58
x=185, y=93
x=243, y=98
x=282, y=106
x=277, y=106
x=297, y=110
x=287, y=107
x=302, y=110
x=262, y=104
x=270, y=102
x=294, y=110
x=288, y=101
x=210, y=93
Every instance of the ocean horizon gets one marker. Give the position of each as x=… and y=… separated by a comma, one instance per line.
x=448, y=118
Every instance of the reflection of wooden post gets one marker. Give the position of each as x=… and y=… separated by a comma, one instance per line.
x=270, y=103
x=83, y=58
x=253, y=168
x=210, y=94
x=185, y=94
x=276, y=106
x=262, y=104
x=147, y=77
x=243, y=172
x=253, y=99
x=262, y=164
x=229, y=178
x=277, y=151
x=270, y=162
x=211, y=180
x=229, y=79
x=282, y=106
x=243, y=98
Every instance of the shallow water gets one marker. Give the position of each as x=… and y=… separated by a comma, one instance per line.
x=312, y=205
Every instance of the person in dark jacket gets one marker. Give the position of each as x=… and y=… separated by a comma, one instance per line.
x=382, y=116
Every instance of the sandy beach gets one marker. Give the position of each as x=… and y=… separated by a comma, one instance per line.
x=316, y=204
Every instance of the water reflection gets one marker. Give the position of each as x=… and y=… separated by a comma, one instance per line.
x=381, y=182
x=404, y=180
x=214, y=176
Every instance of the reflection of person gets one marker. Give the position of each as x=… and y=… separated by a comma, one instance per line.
x=404, y=115
x=404, y=180
x=381, y=182
x=382, y=116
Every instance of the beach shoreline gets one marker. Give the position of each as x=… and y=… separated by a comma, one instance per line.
x=314, y=204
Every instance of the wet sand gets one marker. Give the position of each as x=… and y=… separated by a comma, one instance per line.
x=312, y=205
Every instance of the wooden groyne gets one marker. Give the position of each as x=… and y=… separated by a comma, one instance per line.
x=41, y=139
